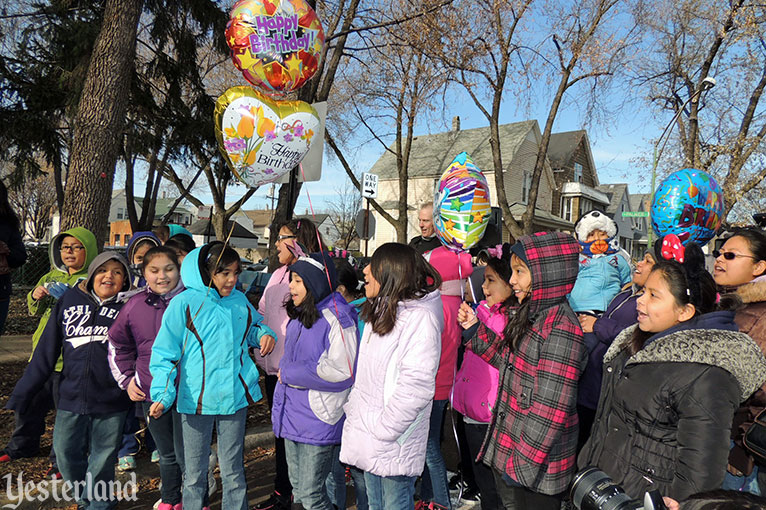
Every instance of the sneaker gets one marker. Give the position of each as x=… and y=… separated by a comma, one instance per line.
x=126, y=463
x=53, y=473
x=275, y=502
x=156, y=456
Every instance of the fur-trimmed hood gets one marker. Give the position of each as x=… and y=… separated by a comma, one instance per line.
x=753, y=292
x=732, y=351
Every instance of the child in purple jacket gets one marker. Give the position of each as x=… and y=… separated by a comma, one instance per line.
x=131, y=338
x=315, y=376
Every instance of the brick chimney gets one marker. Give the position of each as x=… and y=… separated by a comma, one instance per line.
x=456, y=123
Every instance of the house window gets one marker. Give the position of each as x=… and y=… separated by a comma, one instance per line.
x=127, y=238
x=120, y=213
x=577, y=172
x=566, y=208
x=116, y=239
x=585, y=206
x=526, y=182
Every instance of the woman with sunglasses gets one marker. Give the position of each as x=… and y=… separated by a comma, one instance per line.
x=271, y=306
x=740, y=266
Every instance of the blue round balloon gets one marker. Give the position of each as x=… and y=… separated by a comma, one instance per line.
x=689, y=204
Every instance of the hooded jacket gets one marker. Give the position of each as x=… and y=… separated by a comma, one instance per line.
x=664, y=417
x=77, y=333
x=388, y=409
x=751, y=320
x=599, y=280
x=532, y=437
x=136, y=276
x=132, y=335
x=203, y=342
x=271, y=306
x=59, y=273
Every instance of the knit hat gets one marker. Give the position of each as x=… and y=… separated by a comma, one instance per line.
x=519, y=250
x=312, y=269
x=597, y=220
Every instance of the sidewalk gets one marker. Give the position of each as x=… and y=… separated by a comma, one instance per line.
x=15, y=348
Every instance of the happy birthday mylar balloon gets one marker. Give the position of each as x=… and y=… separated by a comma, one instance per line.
x=689, y=204
x=277, y=44
x=262, y=139
x=461, y=204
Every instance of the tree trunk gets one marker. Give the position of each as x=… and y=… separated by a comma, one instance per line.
x=100, y=119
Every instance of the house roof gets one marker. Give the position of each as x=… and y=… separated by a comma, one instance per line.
x=562, y=147
x=615, y=193
x=259, y=217
x=637, y=200
x=318, y=219
x=430, y=155
x=205, y=228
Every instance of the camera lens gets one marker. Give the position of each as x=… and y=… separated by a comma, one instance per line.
x=592, y=489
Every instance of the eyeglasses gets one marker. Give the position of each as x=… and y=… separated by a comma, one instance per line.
x=72, y=248
x=283, y=237
x=730, y=255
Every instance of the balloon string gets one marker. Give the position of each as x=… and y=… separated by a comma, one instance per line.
x=327, y=273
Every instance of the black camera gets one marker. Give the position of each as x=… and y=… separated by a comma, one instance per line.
x=592, y=489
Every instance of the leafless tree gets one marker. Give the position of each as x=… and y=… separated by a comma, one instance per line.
x=343, y=210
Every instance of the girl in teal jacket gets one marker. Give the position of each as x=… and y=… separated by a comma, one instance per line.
x=200, y=361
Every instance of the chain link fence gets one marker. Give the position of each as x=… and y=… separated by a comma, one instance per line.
x=38, y=263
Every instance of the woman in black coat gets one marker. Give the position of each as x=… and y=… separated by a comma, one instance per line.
x=12, y=252
x=672, y=383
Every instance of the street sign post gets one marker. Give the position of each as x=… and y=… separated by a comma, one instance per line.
x=365, y=226
x=369, y=185
x=635, y=214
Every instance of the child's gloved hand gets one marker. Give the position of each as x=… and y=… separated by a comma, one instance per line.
x=56, y=289
x=466, y=317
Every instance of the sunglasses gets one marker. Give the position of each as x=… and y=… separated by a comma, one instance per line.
x=730, y=255
x=283, y=237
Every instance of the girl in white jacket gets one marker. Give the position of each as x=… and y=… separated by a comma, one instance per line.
x=388, y=408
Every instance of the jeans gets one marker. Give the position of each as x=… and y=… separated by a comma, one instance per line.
x=336, y=484
x=197, y=434
x=485, y=480
x=434, y=486
x=281, y=478
x=309, y=466
x=129, y=445
x=517, y=497
x=30, y=425
x=86, y=449
x=389, y=492
x=166, y=431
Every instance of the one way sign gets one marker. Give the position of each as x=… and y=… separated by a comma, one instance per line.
x=369, y=185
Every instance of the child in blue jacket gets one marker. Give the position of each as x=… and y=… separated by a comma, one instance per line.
x=203, y=344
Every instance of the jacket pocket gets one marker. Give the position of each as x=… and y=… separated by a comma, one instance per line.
x=327, y=406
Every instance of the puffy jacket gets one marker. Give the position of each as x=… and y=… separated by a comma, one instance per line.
x=78, y=333
x=751, y=320
x=316, y=372
x=599, y=279
x=475, y=390
x=388, y=409
x=15, y=257
x=271, y=306
x=132, y=335
x=532, y=437
x=454, y=269
x=60, y=273
x=620, y=314
x=204, y=340
x=665, y=413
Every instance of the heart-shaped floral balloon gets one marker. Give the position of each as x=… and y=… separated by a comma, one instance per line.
x=261, y=138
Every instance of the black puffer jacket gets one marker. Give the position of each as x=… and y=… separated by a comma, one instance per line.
x=664, y=415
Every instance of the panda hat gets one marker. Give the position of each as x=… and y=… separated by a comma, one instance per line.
x=597, y=220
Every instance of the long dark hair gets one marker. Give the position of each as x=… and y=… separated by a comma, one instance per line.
x=517, y=319
x=689, y=284
x=306, y=312
x=7, y=214
x=305, y=233
x=156, y=252
x=214, y=258
x=502, y=267
x=402, y=275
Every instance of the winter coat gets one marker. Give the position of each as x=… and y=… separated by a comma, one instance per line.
x=15, y=257
x=78, y=333
x=620, y=314
x=388, y=409
x=533, y=433
x=271, y=306
x=59, y=273
x=665, y=413
x=316, y=372
x=132, y=335
x=475, y=390
x=422, y=244
x=203, y=342
x=751, y=320
x=599, y=279
x=452, y=289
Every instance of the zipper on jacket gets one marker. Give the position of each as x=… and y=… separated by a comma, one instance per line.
x=89, y=356
x=282, y=411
